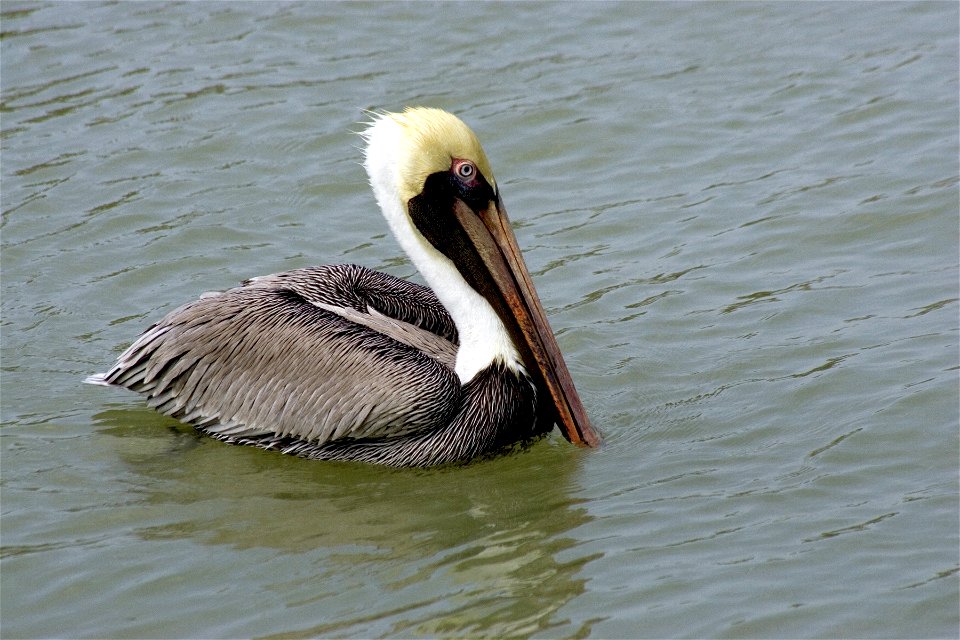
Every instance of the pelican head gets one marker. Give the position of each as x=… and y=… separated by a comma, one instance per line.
x=436, y=189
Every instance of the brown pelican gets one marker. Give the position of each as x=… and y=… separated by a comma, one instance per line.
x=339, y=362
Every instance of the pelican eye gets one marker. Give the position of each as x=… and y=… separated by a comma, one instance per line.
x=465, y=170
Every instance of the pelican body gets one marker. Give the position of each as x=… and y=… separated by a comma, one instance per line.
x=340, y=362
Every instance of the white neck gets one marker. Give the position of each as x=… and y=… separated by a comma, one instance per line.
x=483, y=337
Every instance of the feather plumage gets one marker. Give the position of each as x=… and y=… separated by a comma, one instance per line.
x=343, y=363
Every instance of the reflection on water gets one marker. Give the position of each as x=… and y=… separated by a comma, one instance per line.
x=486, y=539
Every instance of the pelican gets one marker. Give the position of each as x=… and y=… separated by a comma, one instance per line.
x=340, y=362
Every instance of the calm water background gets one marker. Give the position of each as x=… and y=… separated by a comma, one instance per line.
x=743, y=222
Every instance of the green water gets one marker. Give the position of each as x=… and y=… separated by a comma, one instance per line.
x=741, y=218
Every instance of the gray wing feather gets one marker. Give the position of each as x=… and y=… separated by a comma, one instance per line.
x=305, y=355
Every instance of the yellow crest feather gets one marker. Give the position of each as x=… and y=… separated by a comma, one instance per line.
x=429, y=141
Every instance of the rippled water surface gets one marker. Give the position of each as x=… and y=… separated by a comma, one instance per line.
x=742, y=219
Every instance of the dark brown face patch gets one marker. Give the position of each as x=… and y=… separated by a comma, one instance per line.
x=432, y=210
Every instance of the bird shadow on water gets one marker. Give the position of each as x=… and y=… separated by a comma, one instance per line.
x=483, y=549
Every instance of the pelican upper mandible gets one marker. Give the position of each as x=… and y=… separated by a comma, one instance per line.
x=340, y=362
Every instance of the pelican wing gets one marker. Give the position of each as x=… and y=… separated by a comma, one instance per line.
x=314, y=355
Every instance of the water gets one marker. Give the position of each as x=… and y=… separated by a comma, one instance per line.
x=742, y=220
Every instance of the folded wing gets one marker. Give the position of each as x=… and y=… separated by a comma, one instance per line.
x=314, y=356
